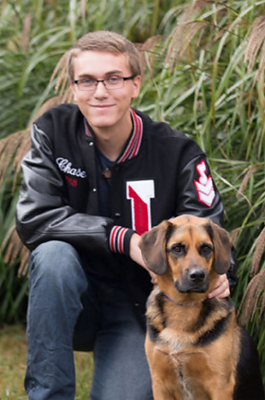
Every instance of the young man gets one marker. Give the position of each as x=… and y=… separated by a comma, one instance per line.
x=98, y=175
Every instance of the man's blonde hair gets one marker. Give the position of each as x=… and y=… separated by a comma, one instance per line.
x=107, y=41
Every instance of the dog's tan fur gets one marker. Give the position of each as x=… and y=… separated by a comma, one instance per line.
x=193, y=343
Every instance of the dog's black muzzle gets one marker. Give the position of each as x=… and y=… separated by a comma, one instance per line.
x=194, y=280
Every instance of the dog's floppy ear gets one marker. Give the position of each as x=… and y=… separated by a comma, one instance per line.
x=222, y=249
x=152, y=245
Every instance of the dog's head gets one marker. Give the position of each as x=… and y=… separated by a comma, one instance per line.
x=188, y=248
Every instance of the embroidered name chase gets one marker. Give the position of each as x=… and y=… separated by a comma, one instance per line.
x=66, y=166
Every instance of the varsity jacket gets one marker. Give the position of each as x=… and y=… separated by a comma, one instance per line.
x=161, y=173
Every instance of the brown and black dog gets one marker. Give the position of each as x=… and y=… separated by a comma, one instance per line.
x=195, y=347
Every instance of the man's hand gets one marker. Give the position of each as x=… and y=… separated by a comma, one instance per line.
x=221, y=289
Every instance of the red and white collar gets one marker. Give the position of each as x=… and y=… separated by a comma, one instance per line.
x=133, y=146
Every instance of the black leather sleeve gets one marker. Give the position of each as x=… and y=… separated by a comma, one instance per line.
x=42, y=210
x=198, y=194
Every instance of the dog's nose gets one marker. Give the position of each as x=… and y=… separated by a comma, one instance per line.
x=197, y=275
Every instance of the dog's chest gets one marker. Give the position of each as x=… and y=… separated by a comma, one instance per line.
x=174, y=343
x=185, y=338
x=187, y=386
x=184, y=387
x=190, y=367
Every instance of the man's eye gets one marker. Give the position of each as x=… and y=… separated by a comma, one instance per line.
x=114, y=79
x=87, y=81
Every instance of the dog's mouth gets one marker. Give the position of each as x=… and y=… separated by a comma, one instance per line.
x=193, y=281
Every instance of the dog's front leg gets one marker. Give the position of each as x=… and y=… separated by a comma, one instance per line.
x=159, y=393
x=165, y=389
x=163, y=373
x=220, y=388
x=224, y=393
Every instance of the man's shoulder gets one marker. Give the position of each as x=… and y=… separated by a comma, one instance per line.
x=63, y=114
x=161, y=129
x=165, y=140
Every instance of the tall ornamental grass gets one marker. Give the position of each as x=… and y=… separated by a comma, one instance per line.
x=203, y=73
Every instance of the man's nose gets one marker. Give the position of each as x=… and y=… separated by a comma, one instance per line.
x=100, y=89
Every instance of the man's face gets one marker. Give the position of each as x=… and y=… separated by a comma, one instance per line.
x=104, y=109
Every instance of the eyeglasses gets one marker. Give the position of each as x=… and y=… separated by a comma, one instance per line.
x=111, y=83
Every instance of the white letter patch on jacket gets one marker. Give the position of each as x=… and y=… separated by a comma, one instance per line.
x=140, y=193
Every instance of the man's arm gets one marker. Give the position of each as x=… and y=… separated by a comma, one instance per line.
x=197, y=193
x=42, y=210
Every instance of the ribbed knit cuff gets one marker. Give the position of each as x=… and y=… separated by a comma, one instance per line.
x=119, y=239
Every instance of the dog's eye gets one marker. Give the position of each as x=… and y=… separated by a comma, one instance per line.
x=206, y=250
x=178, y=249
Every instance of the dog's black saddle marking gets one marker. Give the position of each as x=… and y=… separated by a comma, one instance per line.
x=218, y=329
x=152, y=329
x=153, y=332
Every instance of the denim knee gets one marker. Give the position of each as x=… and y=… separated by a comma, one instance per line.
x=56, y=263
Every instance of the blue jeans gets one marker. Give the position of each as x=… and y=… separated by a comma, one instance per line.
x=69, y=309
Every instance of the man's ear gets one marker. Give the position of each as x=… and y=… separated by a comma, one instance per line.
x=136, y=86
x=73, y=87
x=153, y=245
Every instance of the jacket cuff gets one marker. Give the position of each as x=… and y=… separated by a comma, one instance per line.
x=119, y=239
